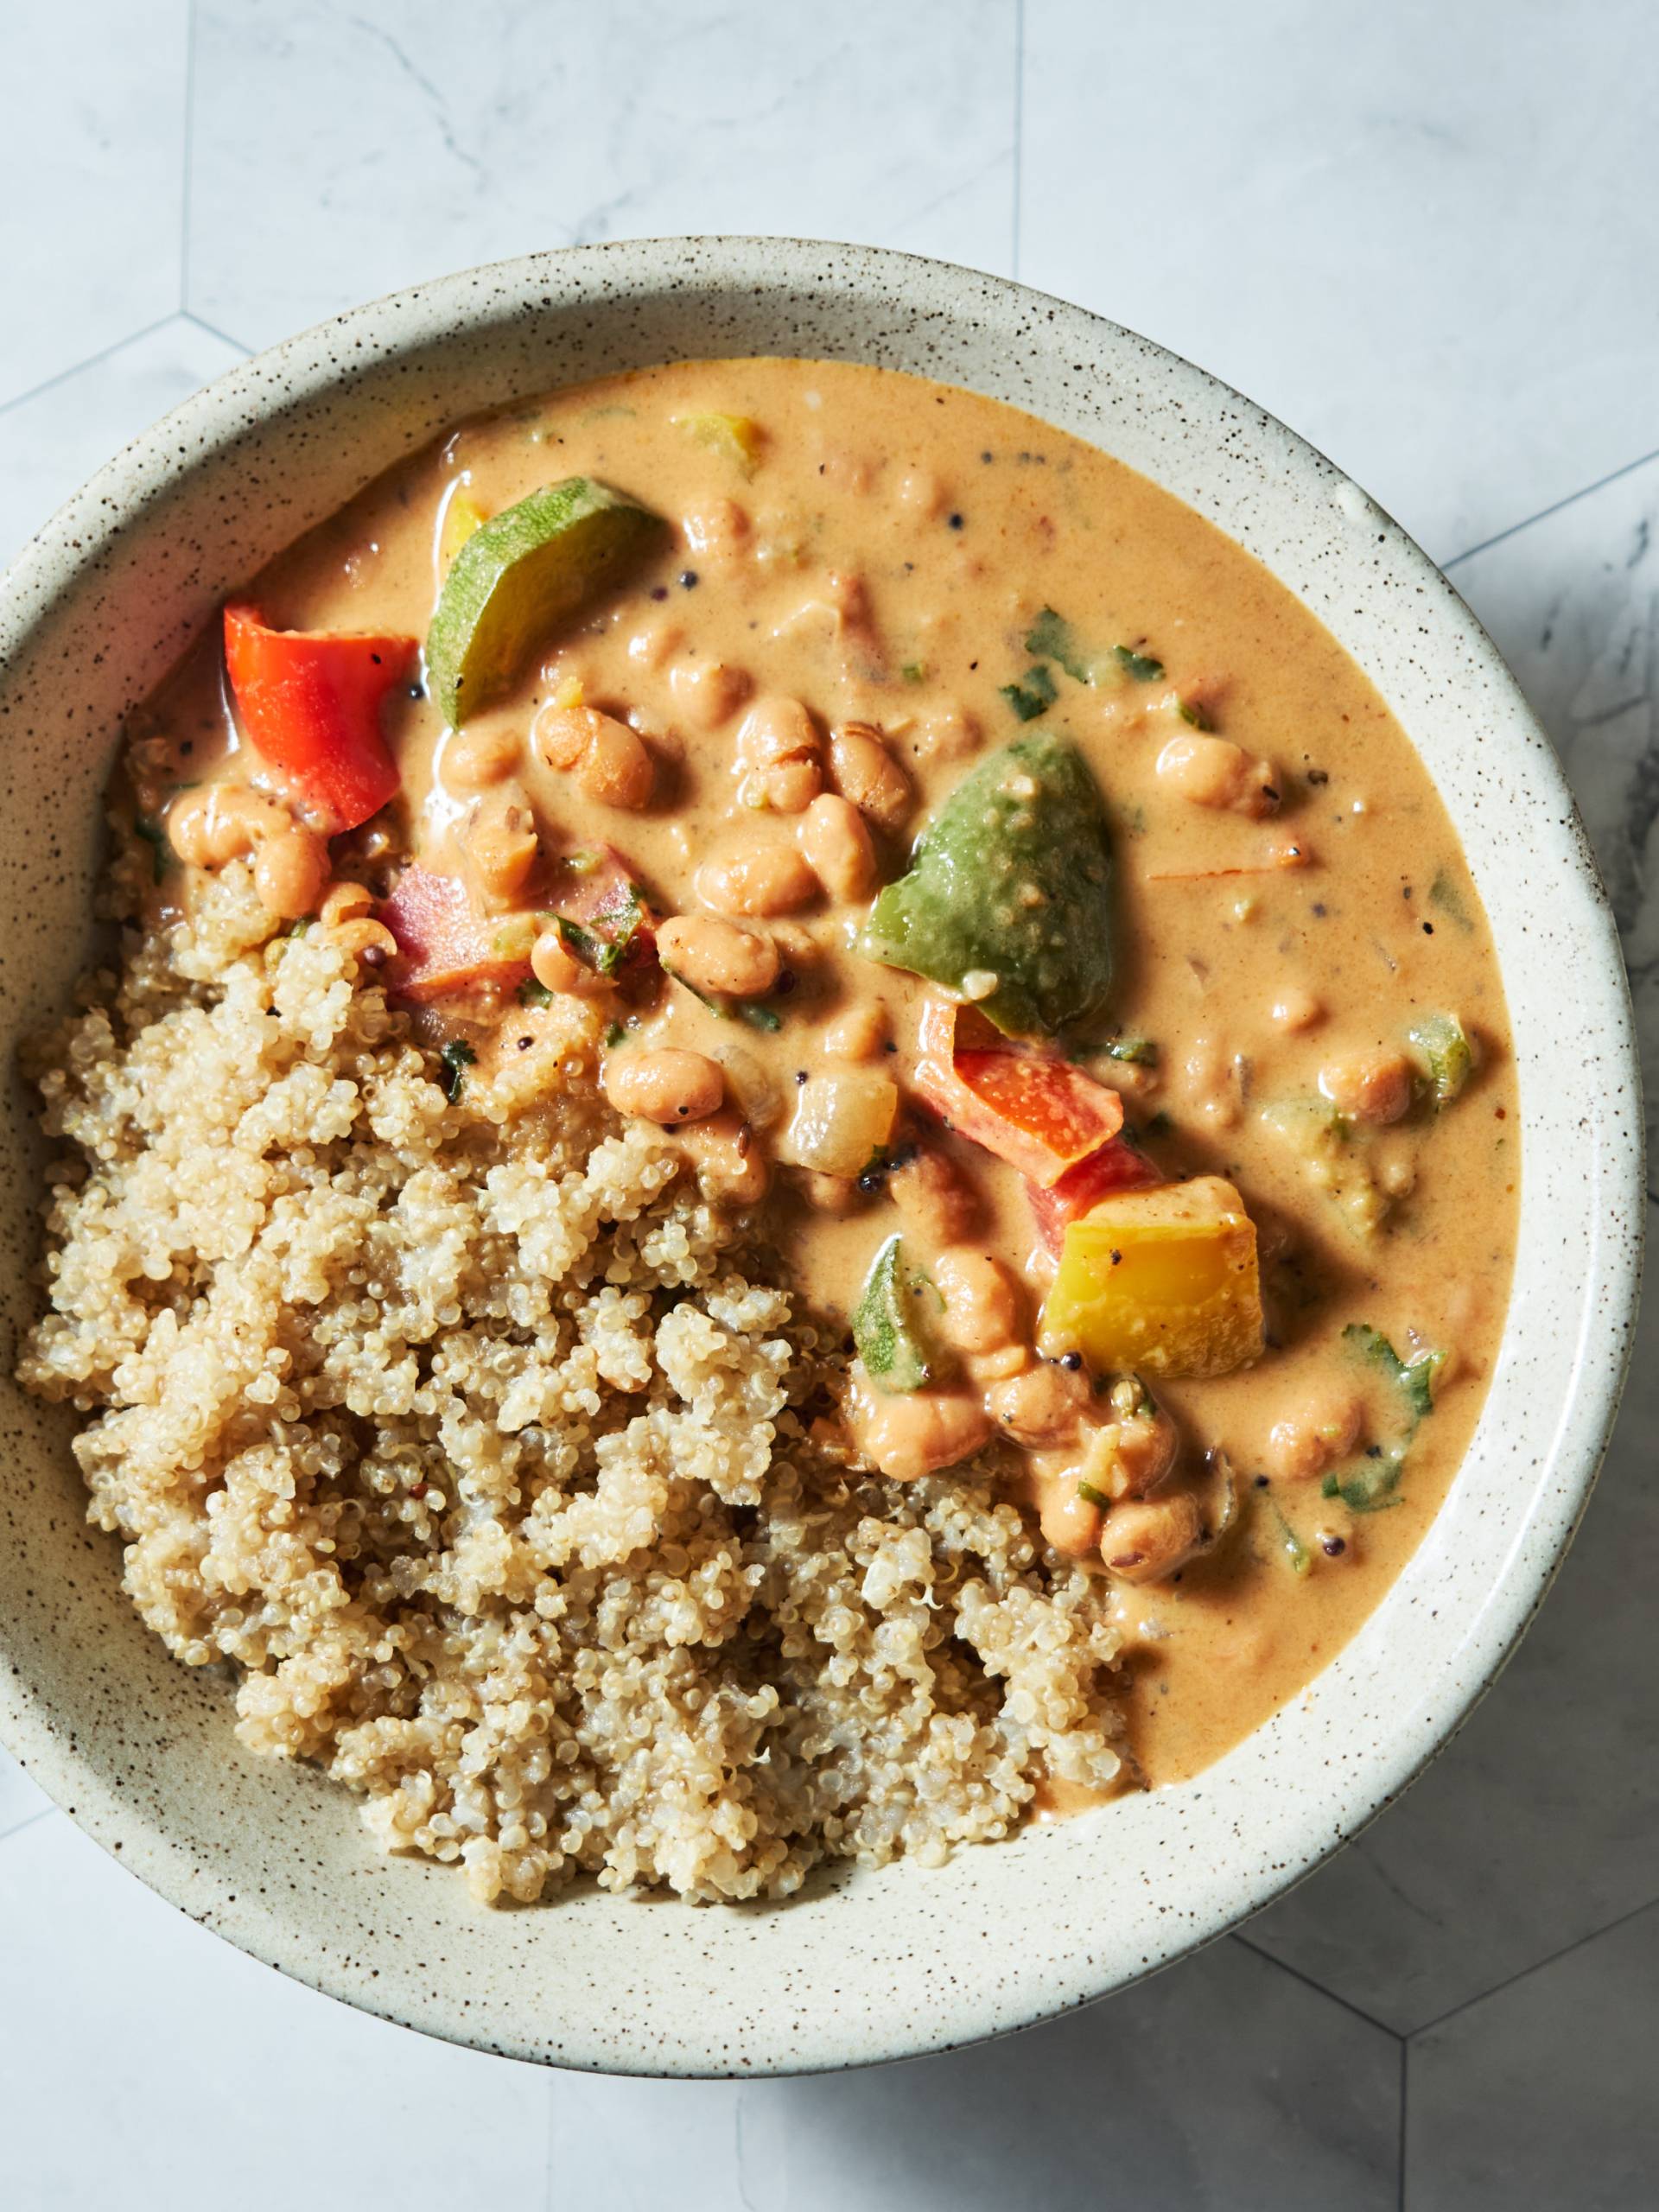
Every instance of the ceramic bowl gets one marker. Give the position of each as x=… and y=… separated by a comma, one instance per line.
x=864, y=1966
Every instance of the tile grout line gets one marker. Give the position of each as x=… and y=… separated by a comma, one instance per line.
x=1318, y=1988
x=104, y=353
x=1555, y=507
x=1016, y=211
x=187, y=170
x=1554, y=1959
x=189, y=314
x=45, y=1813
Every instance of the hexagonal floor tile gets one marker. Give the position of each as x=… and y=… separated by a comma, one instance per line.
x=91, y=181
x=1572, y=602
x=1224, y=2082
x=1418, y=248
x=1545, y=2094
x=433, y=138
x=1541, y=1823
x=50, y=441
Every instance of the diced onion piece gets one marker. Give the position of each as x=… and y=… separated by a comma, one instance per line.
x=840, y=1122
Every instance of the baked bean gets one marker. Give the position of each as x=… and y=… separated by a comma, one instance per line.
x=859, y=1032
x=207, y=827
x=779, y=756
x=947, y=733
x=1213, y=1079
x=556, y=969
x=717, y=957
x=766, y=878
x=289, y=872
x=837, y=847
x=656, y=644
x=1214, y=771
x=834, y=1195
x=481, y=753
x=344, y=901
x=729, y=1158
x=499, y=838
x=718, y=530
x=1144, y=1539
x=1069, y=1522
x=935, y=1203
x=1043, y=1406
x=708, y=692
x=609, y=762
x=666, y=1085
x=915, y=1433
x=1143, y=1451
x=862, y=770
x=617, y=769
x=364, y=939
x=1296, y=1009
x=921, y=489
x=1372, y=1087
x=981, y=1306
x=1312, y=1436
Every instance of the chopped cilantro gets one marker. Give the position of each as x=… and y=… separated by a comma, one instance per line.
x=456, y=1059
x=1142, y=666
x=1033, y=696
x=531, y=993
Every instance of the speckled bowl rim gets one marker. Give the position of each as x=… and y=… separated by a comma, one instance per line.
x=876, y=1966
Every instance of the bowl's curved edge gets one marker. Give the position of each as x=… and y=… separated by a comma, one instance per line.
x=59, y=556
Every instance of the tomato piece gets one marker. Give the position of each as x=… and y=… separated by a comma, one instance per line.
x=1116, y=1166
x=309, y=704
x=604, y=899
x=1040, y=1114
x=444, y=943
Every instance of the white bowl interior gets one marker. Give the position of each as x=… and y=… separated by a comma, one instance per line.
x=864, y=1966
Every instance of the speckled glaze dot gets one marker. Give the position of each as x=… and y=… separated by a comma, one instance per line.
x=862, y=1966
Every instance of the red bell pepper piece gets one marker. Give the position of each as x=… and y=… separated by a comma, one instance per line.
x=444, y=943
x=1040, y=1114
x=1116, y=1166
x=309, y=703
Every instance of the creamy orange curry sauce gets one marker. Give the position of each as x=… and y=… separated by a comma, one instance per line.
x=1010, y=895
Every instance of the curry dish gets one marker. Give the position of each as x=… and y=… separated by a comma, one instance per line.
x=803, y=1142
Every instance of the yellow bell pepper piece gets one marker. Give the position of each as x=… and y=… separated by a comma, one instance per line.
x=736, y=438
x=1163, y=1281
x=461, y=518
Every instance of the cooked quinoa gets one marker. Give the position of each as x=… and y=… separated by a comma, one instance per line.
x=483, y=1447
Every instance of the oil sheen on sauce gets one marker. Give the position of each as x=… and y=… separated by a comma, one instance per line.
x=882, y=563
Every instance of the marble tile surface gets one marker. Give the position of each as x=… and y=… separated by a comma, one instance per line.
x=1545, y=2095
x=1541, y=1824
x=52, y=440
x=187, y=2042
x=91, y=179
x=1223, y=2086
x=20, y=1801
x=431, y=136
x=1409, y=230
x=1421, y=234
